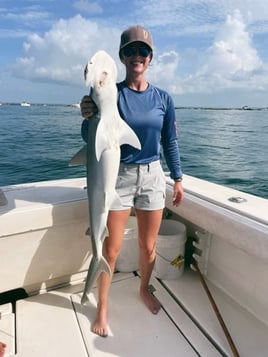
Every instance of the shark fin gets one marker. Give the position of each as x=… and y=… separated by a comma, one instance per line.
x=127, y=135
x=105, y=266
x=80, y=158
x=95, y=268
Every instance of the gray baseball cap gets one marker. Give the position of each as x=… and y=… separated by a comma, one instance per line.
x=135, y=33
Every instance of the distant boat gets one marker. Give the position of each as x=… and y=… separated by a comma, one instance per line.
x=25, y=104
x=77, y=105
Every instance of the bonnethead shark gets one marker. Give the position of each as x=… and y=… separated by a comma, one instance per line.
x=106, y=132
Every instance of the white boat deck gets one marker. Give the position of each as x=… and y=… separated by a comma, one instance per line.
x=55, y=324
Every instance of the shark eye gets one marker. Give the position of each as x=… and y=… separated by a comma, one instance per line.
x=85, y=72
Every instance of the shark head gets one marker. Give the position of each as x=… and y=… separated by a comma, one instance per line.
x=100, y=70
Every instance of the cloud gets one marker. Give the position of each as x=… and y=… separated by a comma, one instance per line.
x=231, y=62
x=23, y=16
x=28, y=17
x=60, y=54
x=199, y=16
x=90, y=7
x=232, y=50
x=164, y=69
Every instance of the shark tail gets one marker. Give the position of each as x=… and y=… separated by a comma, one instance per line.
x=95, y=268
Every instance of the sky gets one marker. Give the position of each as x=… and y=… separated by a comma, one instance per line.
x=206, y=52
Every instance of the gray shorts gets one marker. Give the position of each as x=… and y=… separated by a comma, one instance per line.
x=142, y=186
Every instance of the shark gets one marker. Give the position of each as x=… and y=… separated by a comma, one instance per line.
x=107, y=131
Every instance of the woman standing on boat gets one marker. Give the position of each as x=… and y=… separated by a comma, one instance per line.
x=141, y=184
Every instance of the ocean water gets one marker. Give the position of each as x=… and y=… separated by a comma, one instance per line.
x=228, y=147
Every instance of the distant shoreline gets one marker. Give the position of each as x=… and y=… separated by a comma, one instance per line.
x=220, y=108
x=176, y=107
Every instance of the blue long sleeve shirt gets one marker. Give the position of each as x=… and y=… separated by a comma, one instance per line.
x=151, y=114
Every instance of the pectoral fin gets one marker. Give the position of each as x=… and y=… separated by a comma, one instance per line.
x=127, y=135
x=80, y=158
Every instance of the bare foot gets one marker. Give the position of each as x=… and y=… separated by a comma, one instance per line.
x=150, y=301
x=100, y=325
x=2, y=349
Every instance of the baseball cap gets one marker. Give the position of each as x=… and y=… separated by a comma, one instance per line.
x=135, y=33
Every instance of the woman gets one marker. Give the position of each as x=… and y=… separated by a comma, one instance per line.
x=150, y=112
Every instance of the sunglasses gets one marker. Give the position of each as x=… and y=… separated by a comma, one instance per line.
x=132, y=51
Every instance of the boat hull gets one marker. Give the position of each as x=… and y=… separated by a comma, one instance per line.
x=44, y=246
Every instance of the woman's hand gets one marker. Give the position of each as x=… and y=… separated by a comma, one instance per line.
x=88, y=107
x=178, y=193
